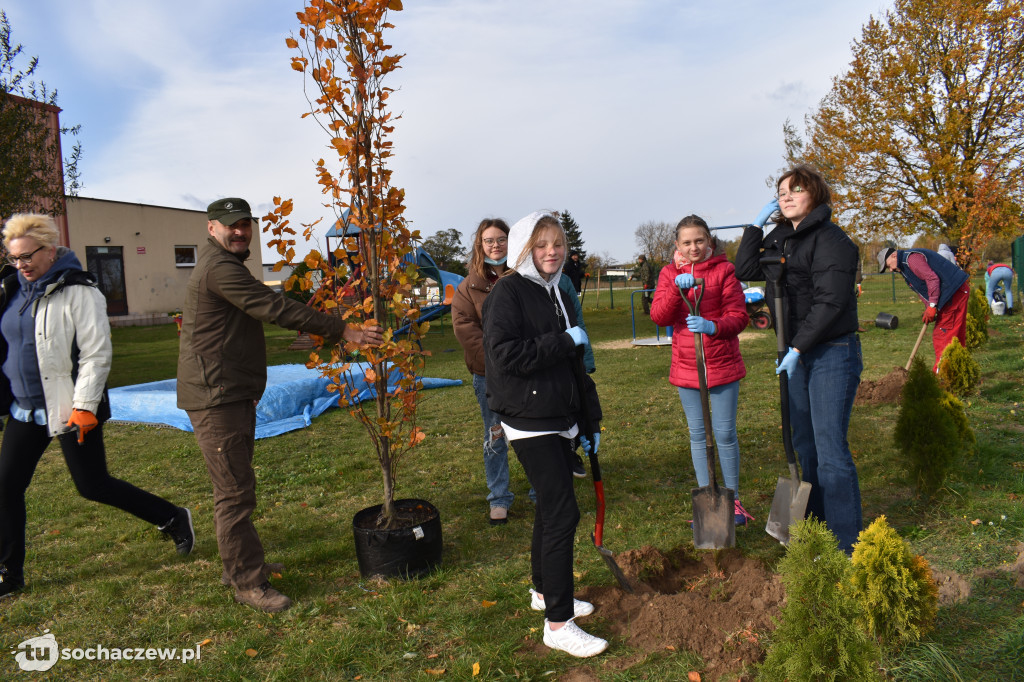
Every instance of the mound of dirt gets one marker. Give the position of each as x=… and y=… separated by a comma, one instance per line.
x=718, y=605
x=953, y=589
x=888, y=389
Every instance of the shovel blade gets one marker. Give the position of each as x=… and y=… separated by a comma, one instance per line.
x=789, y=506
x=613, y=566
x=714, y=518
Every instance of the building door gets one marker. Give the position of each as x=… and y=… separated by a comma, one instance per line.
x=107, y=263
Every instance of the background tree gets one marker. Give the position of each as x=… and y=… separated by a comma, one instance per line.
x=599, y=262
x=925, y=131
x=34, y=177
x=657, y=240
x=573, y=237
x=446, y=248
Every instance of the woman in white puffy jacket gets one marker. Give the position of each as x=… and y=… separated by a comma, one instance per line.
x=56, y=352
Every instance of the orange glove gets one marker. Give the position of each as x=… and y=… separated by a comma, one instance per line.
x=85, y=421
x=929, y=314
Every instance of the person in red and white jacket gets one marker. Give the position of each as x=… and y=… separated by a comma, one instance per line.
x=723, y=315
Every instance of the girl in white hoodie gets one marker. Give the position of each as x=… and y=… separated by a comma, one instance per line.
x=537, y=386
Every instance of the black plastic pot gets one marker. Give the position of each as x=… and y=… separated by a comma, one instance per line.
x=412, y=551
x=887, y=321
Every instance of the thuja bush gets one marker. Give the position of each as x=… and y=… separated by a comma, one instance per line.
x=819, y=636
x=959, y=372
x=958, y=415
x=894, y=587
x=977, y=318
x=925, y=435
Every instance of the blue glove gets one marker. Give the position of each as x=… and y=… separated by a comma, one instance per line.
x=698, y=325
x=788, y=363
x=685, y=281
x=766, y=212
x=585, y=442
x=579, y=337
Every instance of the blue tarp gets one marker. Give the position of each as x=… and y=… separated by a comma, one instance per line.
x=293, y=397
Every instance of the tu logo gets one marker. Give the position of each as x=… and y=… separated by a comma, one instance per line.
x=37, y=653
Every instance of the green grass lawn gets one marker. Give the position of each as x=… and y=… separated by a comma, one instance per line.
x=97, y=576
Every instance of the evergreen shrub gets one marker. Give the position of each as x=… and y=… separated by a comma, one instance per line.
x=819, y=636
x=958, y=415
x=959, y=372
x=894, y=586
x=977, y=319
x=925, y=435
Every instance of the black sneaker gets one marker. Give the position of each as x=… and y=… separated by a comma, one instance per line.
x=577, y=466
x=9, y=584
x=180, y=530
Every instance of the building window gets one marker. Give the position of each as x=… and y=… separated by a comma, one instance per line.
x=185, y=256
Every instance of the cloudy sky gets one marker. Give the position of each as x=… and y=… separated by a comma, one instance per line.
x=619, y=111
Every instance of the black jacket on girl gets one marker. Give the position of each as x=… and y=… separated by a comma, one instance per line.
x=819, y=276
x=532, y=364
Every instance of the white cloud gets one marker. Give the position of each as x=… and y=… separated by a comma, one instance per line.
x=619, y=112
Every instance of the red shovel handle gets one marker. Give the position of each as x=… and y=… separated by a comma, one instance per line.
x=599, y=523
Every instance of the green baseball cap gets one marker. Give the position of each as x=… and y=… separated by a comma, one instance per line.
x=229, y=211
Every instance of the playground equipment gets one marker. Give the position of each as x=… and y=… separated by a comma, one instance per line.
x=437, y=306
x=447, y=283
x=658, y=340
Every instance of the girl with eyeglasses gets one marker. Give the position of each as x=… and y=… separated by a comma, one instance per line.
x=56, y=351
x=486, y=264
x=824, y=363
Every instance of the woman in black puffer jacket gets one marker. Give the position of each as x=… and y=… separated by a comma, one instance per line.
x=820, y=323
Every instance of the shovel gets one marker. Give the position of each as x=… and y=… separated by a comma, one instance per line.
x=917, y=345
x=595, y=470
x=714, y=516
x=791, y=494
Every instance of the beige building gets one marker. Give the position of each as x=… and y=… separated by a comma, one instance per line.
x=142, y=255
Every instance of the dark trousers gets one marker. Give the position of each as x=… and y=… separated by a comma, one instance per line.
x=23, y=446
x=647, y=300
x=226, y=435
x=548, y=464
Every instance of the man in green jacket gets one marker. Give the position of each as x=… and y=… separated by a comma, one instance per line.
x=644, y=272
x=222, y=373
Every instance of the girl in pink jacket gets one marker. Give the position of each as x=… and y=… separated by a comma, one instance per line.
x=723, y=315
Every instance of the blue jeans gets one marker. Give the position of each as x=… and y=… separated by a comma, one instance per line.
x=723, y=401
x=999, y=276
x=822, y=387
x=495, y=450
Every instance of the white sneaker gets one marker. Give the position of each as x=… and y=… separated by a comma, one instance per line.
x=573, y=641
x=579, y=608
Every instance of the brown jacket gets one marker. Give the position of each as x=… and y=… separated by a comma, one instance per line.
x=222, y=356
x=467, y=319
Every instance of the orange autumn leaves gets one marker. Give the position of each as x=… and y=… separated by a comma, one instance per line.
x=371, y=277
x=922, y=132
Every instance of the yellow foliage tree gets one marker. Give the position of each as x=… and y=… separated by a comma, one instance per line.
x=345, y=59
x=924, y=133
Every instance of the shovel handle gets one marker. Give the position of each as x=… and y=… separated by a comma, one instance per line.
x=917, y=345
x=782, y=349
x=599, y=494
x=702, y=382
